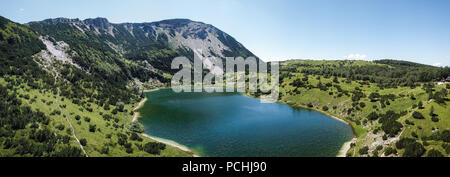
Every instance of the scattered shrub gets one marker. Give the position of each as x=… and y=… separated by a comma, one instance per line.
x=389, y=150
x=92, y=128
x=417, y=115
x=136, y=127
x=364, y=150
x=60, y=127
x=83, y=141
x=154, y=148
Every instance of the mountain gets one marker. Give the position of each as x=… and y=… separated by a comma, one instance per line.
x=148, y=47
x=68, y=86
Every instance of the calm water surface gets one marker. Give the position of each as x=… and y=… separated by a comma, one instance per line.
x=230, y=124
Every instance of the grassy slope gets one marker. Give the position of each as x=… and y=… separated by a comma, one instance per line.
x=46, y=102
x=18, y=45
x=365, y=134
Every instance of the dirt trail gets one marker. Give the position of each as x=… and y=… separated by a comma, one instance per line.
x=67, y=118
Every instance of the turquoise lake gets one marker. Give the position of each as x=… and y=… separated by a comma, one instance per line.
x=233, y=125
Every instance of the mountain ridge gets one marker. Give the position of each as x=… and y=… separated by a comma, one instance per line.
x=143, y=42
x=175, y=24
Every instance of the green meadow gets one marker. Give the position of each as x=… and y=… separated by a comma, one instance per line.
x=337, y=102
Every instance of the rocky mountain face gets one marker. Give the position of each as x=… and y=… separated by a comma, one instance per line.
x=149, y=46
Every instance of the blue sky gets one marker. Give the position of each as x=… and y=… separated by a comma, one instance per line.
x=414, y=30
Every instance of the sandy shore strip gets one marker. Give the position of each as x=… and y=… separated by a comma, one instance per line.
x=161, y=140
x=171, y=143
x=136, y=114
x=141, y=103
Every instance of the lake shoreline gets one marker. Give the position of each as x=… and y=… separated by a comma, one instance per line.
x=346, y=146
x=342, y=152
x=171, y=143
x=160, y=140
x=136, y=114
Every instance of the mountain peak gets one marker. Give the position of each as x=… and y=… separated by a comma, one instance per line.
x=52, y=21
x=177, y=23
x=98, y=22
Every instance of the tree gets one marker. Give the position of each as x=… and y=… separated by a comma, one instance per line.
x=92, y=128
x=120, y=106
x=417, y=115
x=60, y=127
x=66, y=139
x=414, y=149
x=335, y=79
x=434, y=119
x=389, y=150
x=67, y=151
x=136, y=127
x=104, y=150
x=372, y=116
x=445, y=136
x=420, y=105
x=374, y=96
x=440, y=96
x=129, y=150
x=127, y=145
x=432, y=111
x=403, y=142
x=391, y=127
x=414, y=134
x=364, y=150
x=154, y=147
x=325, y=108
x=122, y=139
x=362, y=104
x=135, y=137
x=434, y=153
x=83, y=141
x=379, y=147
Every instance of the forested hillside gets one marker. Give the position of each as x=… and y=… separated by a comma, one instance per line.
x=396, y=108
